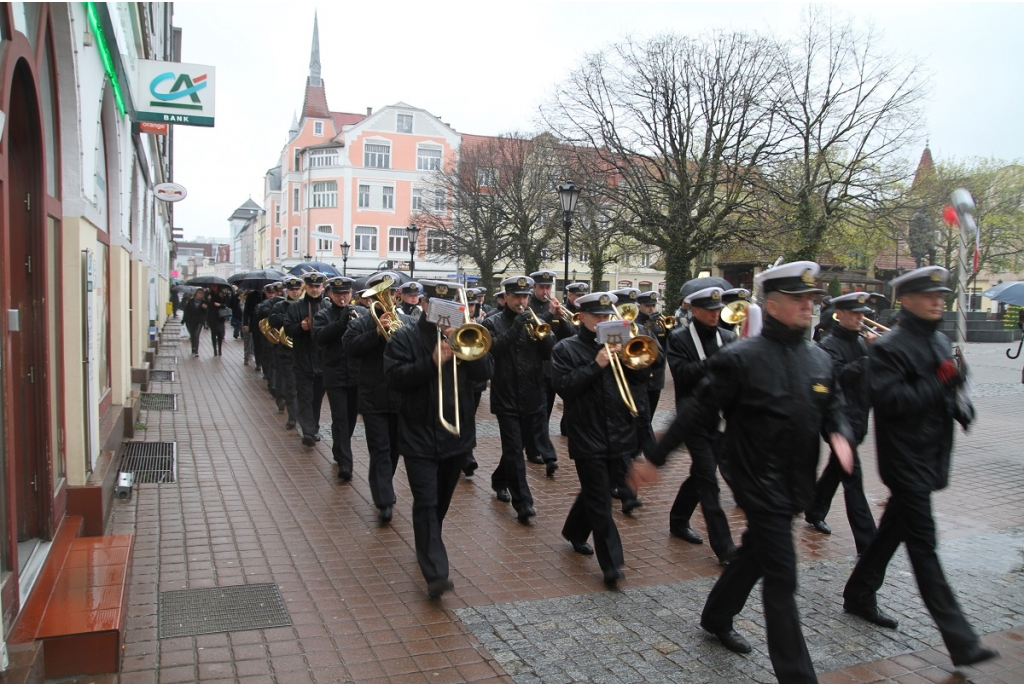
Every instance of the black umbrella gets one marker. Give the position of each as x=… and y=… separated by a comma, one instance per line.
x=207, y=280
x=879, y=301
x=307, y=267
x=695, y=284
x=254, y=280
x=187, y=289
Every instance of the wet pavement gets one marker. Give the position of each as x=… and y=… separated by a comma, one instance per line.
x=251, y=505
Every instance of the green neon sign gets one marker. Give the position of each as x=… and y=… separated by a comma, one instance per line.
x=105, y=55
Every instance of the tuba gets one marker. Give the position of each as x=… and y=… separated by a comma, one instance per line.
x=381, y=303
x=735, y=312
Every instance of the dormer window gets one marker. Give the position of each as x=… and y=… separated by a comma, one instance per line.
x=404, y=123
x=318, y=128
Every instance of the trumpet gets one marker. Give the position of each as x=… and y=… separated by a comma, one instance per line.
x=666, y=322
x=867, y=325
x=470, y=342
x=735, y=312
x=381, y=299
x=538, y=329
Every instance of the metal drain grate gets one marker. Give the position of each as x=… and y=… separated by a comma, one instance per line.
x=151, y=462
x=172, y=357
x=158, y=400
x=221, y=610
x=161, y=375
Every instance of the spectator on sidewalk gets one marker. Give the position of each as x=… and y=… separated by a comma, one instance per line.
x=217, y=303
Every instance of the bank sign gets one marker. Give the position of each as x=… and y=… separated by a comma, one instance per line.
x=174, y=93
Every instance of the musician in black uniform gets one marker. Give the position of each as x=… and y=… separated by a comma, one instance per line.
x=340, y=369
x=917, y=394
x=250, y=324
x=573, y=292
x=549, y=311
x=690, y=349
x=517, y=389
x=848, y=347
x=728, y=297
x=825, y=320
x=433, y=455
x=499, y=299
x=306, y=356
x=778, y=393
x=602, y=432
x=410, y=294
x=284, y=360
x=480, y=308
x=651, y=323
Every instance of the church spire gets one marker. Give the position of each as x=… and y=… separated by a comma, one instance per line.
x=314, y=55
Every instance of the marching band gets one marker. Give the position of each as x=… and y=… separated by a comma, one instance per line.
x=414, y=359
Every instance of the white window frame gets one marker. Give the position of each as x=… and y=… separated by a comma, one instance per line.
x=398, y=240
x=416, y=204
x=429, y=162
x=318, y=129
x=364, y=199
x=387, y=198
x=323, y=157
x=487, y=177
x=324, y=194
x=325, y=245
x=440, y=201
x=398, y=123
x=435, y=241
x=277, y=248
x=365, y=242
x=277, y=213
x=383, y=156
x=295, y=240
x=295, y=200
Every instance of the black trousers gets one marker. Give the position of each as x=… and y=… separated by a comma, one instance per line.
x=653, y=397
x=549, y=396
x=284, y=382
x=767, y=552
x=270, y=367
x=194, y=332
x=432, y=482
x=471, y=458
x=702, y=487
x=382, y=444
x=857, y=510
x=511, y=471
x=908, y=518
x=592, y=510
x=344, y=404
x=309, y=391
x=217, y=335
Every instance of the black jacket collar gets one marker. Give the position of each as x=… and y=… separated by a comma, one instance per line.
x=781, y=333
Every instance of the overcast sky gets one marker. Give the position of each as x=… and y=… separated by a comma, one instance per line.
x=484, y=68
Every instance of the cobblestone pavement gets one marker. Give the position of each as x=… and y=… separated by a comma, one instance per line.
x=251, y=505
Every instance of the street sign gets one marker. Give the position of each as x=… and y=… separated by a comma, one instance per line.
x=170, y=192
x=323, y=236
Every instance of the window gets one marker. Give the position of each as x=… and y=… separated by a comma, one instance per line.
x=439, y=199
x=295, y=200
x=487, y=177
x=318, y=128
x=646, y=259
x=297, y=162
x=277, y=248
x=435, y=241
x=398, y=240
x=277, y=213
x=322, y=158
x=366, y=239
x=295, y=240
x=388, y=197
x=645, y=286
x=428, y=200
x=404, y=123
x=322, y=245
x=364, y=196
x=417, y=199
x=428, y=159
x=377, y=155
x=325, y=194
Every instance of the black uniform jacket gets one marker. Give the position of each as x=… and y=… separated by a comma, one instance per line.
x=408, y=370
x=560, y=328
x=275, y=309
x=914, y=411
x=306, y=353
x=329, y=325
x=650, y=327
x=849, y=352
x=364, y=345
x=686, y=365
x=596, y=419
x=778, y=393
x=252, y=302
x=518, y=383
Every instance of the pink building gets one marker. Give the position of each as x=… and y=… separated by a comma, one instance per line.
x=358, y=177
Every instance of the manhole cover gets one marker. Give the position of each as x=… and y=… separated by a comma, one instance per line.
x=161, y=375
x=151, y=462
x=158, y=400
x=221, y=610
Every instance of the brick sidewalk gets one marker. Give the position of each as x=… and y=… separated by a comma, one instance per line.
x=251, y=505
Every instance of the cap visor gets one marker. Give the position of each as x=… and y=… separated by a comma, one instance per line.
x=803, y=291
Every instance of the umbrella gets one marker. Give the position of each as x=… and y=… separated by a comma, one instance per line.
x=187, y=289
x=307, y=267
x=1010, y=292
x=695, y=284
x=207, y=280
x=879, y=301
x=254, y=280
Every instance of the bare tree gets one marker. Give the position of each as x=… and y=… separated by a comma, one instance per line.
x=678, y=129
x=849, y=110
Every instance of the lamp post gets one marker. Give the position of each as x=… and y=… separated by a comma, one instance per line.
x=345, y=247
x=413, y=232
x=573, y=277
x=307, y=257
x=569, y=194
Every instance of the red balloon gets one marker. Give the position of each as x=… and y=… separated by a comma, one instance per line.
x=949, y=215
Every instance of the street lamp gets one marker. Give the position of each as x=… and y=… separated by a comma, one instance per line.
x=307, y=257
x=345, y=247
x=569, y=194
x=413, y=232
x=574, y=275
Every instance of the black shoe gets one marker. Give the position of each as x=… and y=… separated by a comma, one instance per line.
x=526, y=513
x=819, y=525
x=343, y=474
x=316, y=437
x=581, y=547
x=281, y=404
x=688, y=534
x=728, y=557
x=469, y=468
x=630, y=504
x=974, y=655
x=308, y=440
x=550, y=468
x=535, y=459
x=872, y=615
x=612, y=576
x=291, y=424
x=730, y=639
x=436, y=588
x=503, y=495
x=616, y=493
x=385, y=514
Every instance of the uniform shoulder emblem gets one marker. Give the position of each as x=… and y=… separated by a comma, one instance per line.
x=818, y=387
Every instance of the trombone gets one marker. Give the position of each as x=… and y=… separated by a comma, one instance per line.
x=642, y=350
x=620, y=378
x=867, y=325
x=470, y=342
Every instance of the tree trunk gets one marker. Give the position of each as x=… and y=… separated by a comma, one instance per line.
x=596, y=262
x=677, y=272
x=486, y=278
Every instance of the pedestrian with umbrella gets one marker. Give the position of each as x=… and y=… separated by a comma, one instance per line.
x=218, y=309
x=193, y=318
